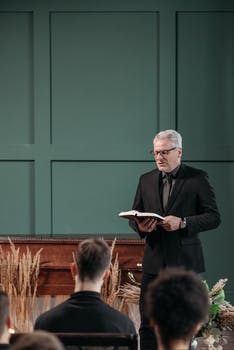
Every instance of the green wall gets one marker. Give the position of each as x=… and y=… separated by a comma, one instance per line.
x=84, y=87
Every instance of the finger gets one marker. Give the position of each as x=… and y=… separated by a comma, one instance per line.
x=152, y=225
x=145, y=221
x=152, y=228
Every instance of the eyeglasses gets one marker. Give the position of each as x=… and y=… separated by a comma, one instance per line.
x=163, y=153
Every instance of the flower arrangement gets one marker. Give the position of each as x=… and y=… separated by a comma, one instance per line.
x=221, y=317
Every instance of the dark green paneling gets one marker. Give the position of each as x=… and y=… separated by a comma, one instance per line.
x=85, y=85
x=16, y=78
x=17, y=197
x=107, y=94
x=88, y=196
x=205, y=63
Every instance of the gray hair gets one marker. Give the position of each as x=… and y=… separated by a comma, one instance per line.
x=170, y=135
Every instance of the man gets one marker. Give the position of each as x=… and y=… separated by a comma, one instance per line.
x=85, y=311
x=178, y=305
x=4, y=321
x=185, y=198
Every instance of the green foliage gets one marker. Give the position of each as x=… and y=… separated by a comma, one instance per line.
x=219, y=298
x=214, y=309
x=206, y=285
x=212, y=330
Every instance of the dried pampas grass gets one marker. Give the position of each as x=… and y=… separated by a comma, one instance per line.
x=226, y=316
x=130, y=293
x=111, y=286
x=18, y=278
x=218, y=286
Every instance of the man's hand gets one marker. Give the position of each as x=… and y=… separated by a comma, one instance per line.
x=146, y=225
x=171, y=223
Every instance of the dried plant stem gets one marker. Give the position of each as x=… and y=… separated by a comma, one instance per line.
x=110, y=288
x=218, y=286
x=18, y=277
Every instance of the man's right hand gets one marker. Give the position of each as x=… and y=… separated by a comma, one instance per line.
x=146, y=225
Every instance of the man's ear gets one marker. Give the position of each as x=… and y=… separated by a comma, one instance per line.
x=74, y=271
x=152, y=323
x=106, y=275
x=180, y=152
x=197, y=328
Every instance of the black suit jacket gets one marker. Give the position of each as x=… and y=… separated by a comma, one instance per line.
x=84, y=312
x=192, y=197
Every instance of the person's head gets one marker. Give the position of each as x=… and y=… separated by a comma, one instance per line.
x=38, y=340
x=167, y=150
x=4, y=317
x=92, y=260
x=177, y=304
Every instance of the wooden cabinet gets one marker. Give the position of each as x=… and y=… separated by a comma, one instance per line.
x=56, y=257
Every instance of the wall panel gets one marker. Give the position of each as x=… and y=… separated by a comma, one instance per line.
x=16, y=83
x=104, y=81
x=87, y=196
x=17, y=197
x=205, y=80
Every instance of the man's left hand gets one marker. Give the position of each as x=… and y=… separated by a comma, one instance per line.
x=171, y=223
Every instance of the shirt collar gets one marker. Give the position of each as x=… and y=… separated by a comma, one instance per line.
x=173, y=173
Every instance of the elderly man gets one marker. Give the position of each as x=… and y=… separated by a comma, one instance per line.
x=183, y=195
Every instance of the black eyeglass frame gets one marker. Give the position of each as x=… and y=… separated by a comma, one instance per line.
x=163, y=153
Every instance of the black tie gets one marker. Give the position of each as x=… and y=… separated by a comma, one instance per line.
x=167, y=189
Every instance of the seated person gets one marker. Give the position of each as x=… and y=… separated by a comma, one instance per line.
x=4, y=321
x=178, y=305
x=85, y=311
x=38, y=340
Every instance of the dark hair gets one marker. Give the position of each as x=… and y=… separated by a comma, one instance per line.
x=4, y=310
x=177, y=301
x=37, y=340
x=92, y=258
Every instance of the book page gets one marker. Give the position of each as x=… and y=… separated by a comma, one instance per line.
x=133, y=213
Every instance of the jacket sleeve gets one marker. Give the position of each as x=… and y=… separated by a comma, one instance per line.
x=137, y=205
x=207, y=214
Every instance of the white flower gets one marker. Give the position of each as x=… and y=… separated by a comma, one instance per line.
x=209, y=340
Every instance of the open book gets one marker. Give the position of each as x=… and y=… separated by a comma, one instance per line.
x=133, y=213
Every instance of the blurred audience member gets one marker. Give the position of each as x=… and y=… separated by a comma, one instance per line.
x=4, y=321
x=85, y=311
x=38, y=340
x=178, y=305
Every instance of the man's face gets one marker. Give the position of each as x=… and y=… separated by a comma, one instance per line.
x=166, y=155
